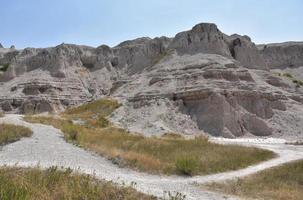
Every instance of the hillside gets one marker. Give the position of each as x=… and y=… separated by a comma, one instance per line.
x=200, y=81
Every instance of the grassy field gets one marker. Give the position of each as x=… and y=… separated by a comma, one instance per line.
x=168, y=155
x=11, y=133
x=54, y=184
x=279, y=183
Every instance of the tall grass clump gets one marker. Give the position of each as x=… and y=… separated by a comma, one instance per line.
x=10, y=133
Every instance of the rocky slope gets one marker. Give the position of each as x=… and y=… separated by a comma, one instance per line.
x=200, y=81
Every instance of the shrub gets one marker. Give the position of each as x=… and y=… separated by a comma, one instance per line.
x=186, y=165
x=71, y=132
x=4, y=67
x=288, y=75
x=298, y=83
x=100, y=122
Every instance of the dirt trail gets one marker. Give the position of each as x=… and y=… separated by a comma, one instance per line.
x=47, y=148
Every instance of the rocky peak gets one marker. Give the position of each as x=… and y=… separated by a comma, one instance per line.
x=1, y=45
x=202, y=38
x=206, y=27
x=138, y=41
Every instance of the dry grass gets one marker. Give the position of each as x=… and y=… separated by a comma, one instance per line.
x=54, y=184
x=279, y=183
x=11, y=133
x=171, y=154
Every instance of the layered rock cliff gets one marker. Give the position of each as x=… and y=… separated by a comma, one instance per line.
x=200, y=81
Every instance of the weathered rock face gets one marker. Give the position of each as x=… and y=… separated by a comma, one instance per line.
x=200, y=81
x=203, y=38
x=289, y=54
x=134, y=56
x=243, y=50
x=220, y=96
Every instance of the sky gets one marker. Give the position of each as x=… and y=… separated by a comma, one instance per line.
x=44, y=23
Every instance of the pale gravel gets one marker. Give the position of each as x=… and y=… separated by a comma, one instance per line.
x=47, y=148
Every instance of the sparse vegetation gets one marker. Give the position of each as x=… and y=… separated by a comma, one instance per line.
x=299, y=83
x=53, y=184
x=11, y=133
x=288, y=75
x=162, y=56
x=94, y=114
x=1, y=114
x=279, y=183
x=170, y=154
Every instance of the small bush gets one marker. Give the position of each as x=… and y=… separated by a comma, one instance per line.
x=186, y=165
x=298, y=83
x=4, y=67
x=288, y=75
x=71, y=132
x=100, y=122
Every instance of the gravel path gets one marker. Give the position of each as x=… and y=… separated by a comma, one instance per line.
x=47, y=148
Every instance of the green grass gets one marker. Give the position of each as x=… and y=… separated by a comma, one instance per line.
x=280, y=183
x=170, y=154
x=54, y=184
x=11, y=133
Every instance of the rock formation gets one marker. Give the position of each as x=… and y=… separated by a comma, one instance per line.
x=200, y=81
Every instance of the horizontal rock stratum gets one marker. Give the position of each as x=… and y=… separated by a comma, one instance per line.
x=201, y=81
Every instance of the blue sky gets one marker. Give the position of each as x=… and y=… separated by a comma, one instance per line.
x=42, y=23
